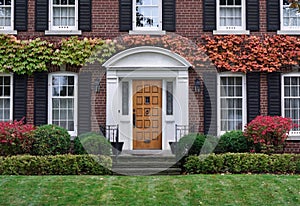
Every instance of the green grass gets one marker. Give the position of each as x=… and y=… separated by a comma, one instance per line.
x=151, y=190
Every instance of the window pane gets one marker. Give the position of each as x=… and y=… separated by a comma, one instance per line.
x=6, y=103
x=169, y=98
x=125, y=98
x=7, y=81
x=71, y=91
x=71, y=126
x=55, y=114
x=6, y=91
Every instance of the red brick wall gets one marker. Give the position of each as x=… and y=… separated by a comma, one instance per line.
x=30, y=100
x=263, y=94
x=189, y=23
x=292, y=146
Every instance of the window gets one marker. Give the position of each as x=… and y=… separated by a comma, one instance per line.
x=6, y=15
x=291, y=100
x=63, y=101
x=125, y=98
x=147, y=15
x=169, y=98
x=231, y=102
x=231, y=17
x=63, y=16
x=290, y=17
x=5, y=97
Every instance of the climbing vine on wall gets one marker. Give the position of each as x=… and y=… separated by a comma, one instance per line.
x=28, y=56
x=178, y=44
x=252, y=53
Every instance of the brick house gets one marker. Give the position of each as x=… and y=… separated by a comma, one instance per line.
x=147, y=90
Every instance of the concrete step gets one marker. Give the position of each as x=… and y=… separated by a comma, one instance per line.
x=145, y=165
x=146, y=171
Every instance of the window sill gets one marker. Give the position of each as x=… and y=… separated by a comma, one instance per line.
x=66, y=32
x=293, y=138
x=8, y=32
x=227, y=32
x=291, y=32
x=137, y=32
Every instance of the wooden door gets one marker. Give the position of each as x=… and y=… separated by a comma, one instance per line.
x=147, y=115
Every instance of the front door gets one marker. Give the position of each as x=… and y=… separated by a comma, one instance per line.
x=147, y=114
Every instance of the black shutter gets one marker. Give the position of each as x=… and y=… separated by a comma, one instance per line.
x=210, y=103
x=253, y=95
x=85, y=15
x=252, y=12
x=20, y=15
x=84, y=102
x=209, y=15
x=274, y=94
x=169, y=15
x=41, y=15
x=40, y=98
x=19, y=96
x=273, y=15
x=125, y=15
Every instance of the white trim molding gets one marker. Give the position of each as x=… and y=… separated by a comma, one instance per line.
x=63, y=29
x=293, y=135
x=73, y=97
x=8, y=29
x=224, y=28
x=232, y=97
x=155, y=12
x=287, y=23
x=147, y=63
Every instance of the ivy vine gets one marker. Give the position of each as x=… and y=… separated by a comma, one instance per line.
x=28, y=56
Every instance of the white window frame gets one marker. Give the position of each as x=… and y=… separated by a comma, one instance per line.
x=61, y=30
x=231, y=29
x=146, y=30
x=293, y=135
x=295, y=30
x=72, y=133
x=9, y=29
x=244, y=99
x=10, y=96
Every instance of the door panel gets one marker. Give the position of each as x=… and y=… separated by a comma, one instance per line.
x=147, y=114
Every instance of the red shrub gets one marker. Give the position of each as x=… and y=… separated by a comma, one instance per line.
x=268, y=133
x=15, y=137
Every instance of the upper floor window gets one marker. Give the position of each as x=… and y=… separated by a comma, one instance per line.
x=63, y=101
x=231, y=17
x=290, y=17
x=232, y=112
x=147, y=15
x=5, y=97
x=63, y=15
x=6, y=15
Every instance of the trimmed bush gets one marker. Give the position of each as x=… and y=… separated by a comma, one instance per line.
x=242, y=163
x=55, y=165
x=233, y=141
x=194, y=144
x=50, y=140
x=78, y=149
x=15, y=138
x=94, y=143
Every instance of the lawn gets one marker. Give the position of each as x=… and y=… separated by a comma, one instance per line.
x=151, y=190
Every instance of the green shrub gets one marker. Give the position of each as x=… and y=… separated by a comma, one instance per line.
x=55, y=165
x=233, y=141
x=96, y=144
x=242, y=163
x=50, y=140
x=194, y=144
x=78, y=149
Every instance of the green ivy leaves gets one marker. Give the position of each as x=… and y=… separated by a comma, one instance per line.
x=28, y=56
